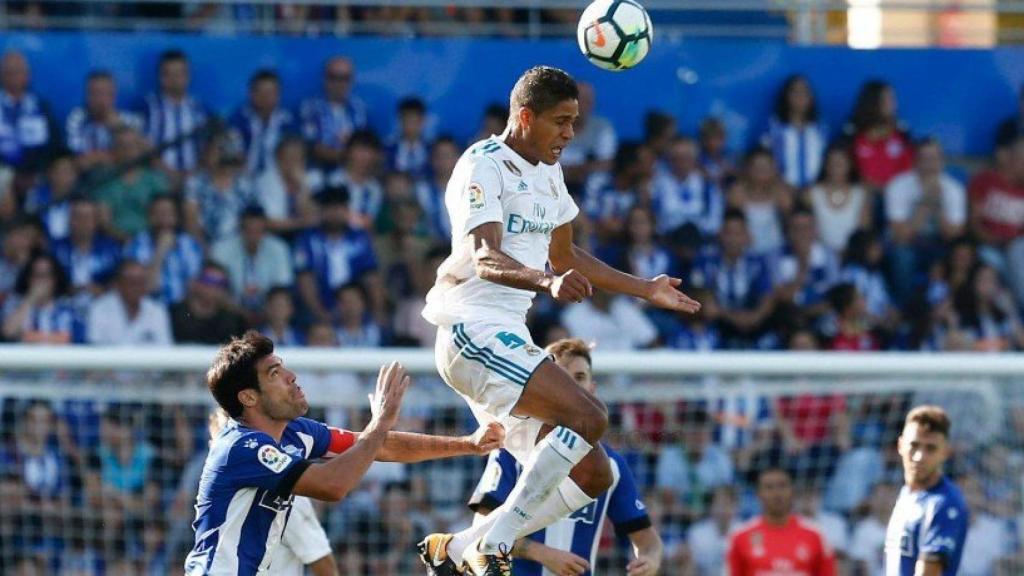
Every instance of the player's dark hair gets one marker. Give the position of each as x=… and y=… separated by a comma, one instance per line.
x=541, y=88
x=931, y=418
x=571, y=348
x=234, y=369
x=782, y=109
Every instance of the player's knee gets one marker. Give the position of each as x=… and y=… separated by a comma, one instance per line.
x=591, y=421
x=594, y=475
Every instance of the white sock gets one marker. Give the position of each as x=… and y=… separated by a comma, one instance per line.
x=461, y=540
x=549, y=464
x=567, y=499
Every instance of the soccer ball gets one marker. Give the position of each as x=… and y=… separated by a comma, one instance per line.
x=615, y=34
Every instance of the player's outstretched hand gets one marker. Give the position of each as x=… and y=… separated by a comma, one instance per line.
x=562, y=562
x=571, y=287
x=662, y=293
x=386, y=401
x=488, y=438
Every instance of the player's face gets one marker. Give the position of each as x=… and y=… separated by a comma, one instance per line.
x=549, y=132
x=775, y=491
x=923, y=453
x=578, y=368
x=280, y=398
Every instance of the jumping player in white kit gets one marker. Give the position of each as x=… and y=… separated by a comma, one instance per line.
x=511, y=217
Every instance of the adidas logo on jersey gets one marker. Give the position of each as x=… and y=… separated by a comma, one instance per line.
x=522, y=186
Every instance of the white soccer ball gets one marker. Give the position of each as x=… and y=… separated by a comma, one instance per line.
x=615, y=34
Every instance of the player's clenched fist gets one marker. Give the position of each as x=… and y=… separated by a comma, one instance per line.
x=386, y=401
x=570, y=287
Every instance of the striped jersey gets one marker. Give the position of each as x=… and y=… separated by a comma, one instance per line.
x=926, y=524
x=245, y=495
x=579, y=533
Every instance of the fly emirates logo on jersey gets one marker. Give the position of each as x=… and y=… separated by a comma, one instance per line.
x=534, y=224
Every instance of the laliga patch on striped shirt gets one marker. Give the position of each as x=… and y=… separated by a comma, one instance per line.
x=274, y=459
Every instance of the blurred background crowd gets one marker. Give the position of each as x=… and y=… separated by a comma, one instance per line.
x=162, y=223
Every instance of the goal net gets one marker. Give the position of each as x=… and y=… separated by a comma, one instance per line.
x=100, y=459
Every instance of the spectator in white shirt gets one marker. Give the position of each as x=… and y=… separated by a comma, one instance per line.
x=255, y=260
x=867, y=546
x=613, y=323
x=126, y=316
x=924, y=206
x=832, y=526
x=988, y=536
x=708, y=539
x=841, y=205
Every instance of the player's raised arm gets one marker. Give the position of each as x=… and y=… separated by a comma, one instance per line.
x=566, y=257
x=411, y=447
x=334, y=479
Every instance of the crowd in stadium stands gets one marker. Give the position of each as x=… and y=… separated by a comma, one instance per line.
x=287, y=17
x=164, y=224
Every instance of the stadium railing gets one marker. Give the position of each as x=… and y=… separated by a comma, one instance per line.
x=94, y=440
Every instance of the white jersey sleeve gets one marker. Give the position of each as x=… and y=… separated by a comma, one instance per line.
x=303, y=542
x=480, y=196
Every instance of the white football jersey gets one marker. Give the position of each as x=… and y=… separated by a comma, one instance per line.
x=492, y=183
x=303, y=542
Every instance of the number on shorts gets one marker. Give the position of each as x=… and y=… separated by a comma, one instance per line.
x=510, y=340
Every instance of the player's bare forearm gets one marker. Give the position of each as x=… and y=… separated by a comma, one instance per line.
x=648, y=549
x=412, y=447
x=335, y=478
x=602, y=275
x=493, y=265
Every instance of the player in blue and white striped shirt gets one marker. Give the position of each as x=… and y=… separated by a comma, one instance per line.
x=263, y=457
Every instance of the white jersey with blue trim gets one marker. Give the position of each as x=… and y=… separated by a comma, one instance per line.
x=245, y=496
x=580, y=532
x=492, y=183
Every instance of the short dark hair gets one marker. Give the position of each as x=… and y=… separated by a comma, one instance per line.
x=931, y=418
x=364, y=138
x=572, y=348
x=656, y=122
x=99, y=74
x=541, y=88
x=173, y=55
x=774, y=468
x=734, y=213
x=263, y=75
x=234, y=369
x=412, y=104
x=279, y=291
x=333, y=195
x=841, y=296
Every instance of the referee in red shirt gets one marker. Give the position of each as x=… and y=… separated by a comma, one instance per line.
x=778, y=542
